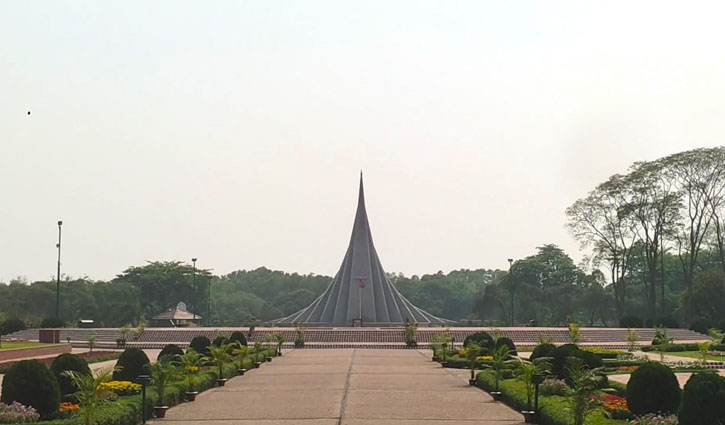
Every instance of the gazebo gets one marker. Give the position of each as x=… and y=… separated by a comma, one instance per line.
x=176, y=317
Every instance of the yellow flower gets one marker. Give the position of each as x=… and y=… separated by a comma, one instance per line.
x=121, y=387
x=484, y=358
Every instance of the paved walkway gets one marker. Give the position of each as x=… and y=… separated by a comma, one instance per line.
x=346, y=387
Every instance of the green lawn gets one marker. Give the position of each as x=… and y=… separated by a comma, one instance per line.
x=23, y=344
x=693, y=355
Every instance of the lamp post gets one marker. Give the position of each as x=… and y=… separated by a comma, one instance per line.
x=208, y=301
x=57, y=282
x=143, y=380
x=511, y=288
x=193, y=283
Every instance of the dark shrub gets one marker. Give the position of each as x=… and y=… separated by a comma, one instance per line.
x=11, y=325
x=52, y=322
x=238, y=337
x=66, y=362
x=630, y=321
x=561, y=354
x=542, y=350
x=482, y=339
x=507, y=342
x=200, y=344
x=701, y=325
x=703, y=401
x=170, y=351
x=662, y=322
x=133, y=362
x=220, y=340
x=30, y=383
x=653, y=388
x=721, y=326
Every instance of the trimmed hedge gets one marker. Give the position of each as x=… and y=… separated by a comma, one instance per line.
x=11, y=325
x=542, y=350
x=68, y=362
x=132, y=363
x=507, y=342
x=560, y=355
x=171, y=350
x=703, y=400
x=239, y=337
x=52, y=322
x=671, y=348
x=31, y=383
x=653, y=388
x=220, y=340
x=200, y=344
x=482, y=339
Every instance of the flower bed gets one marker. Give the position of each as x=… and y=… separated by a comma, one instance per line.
x=17, y=413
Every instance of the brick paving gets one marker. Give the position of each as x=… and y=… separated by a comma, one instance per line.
x=346, y=387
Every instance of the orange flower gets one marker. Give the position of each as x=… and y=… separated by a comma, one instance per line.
x=68, y=407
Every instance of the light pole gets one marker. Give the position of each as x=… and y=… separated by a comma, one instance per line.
x=57, y=282
x=511, y=288
x=193, y=283
x=208, y=301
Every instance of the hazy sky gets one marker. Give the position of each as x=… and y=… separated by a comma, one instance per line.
x=235, y=131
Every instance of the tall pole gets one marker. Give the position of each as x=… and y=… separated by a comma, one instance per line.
x=57, y=281
x=193, y=283
x=511, y=282
x=208, y=300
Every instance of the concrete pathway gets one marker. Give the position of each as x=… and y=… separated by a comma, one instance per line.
x=346, y=387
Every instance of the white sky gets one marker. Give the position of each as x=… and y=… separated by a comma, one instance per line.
x=235, y=131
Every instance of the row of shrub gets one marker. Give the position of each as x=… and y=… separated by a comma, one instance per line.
x=674, y=348
x=701, y=325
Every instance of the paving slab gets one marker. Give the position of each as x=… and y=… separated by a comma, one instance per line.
x=346, y=387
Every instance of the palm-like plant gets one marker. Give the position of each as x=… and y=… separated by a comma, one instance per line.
x=240, y=351
x=163, y=372
x=584, y=382
x=703, y=350
x=218, y=356
x=191, y=361
x=528, y=370
x=501, y=357
x=279, y=339
x=472, y=352
x=91, y=395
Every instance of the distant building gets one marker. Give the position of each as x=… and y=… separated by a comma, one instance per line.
x=176, y=317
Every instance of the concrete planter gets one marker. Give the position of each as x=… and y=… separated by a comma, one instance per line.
x=529, y=416
x=496, y=395
x=221, y=382
x=191, y=395
x=472, y=382
x=269, y=359
x=240, y=372
x=160, y=411
x=257, y=364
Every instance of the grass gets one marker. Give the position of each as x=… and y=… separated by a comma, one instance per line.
x=692, y=355
x=20, y=344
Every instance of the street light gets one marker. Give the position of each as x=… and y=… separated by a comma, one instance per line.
x=193, y=283
x=511, y=288
x=57, y=282
x=208, y=301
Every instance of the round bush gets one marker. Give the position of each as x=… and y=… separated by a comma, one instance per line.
x=653, y=388
x=132, y=363
x=482, y=339
x=507, y=342
x=542, y=350
x=560, y=359
x=220, y=340
x=630, y=321
x=238, y=337
x=701, y=325
x=170, y=351
x=67, y=362
x=52, y=322
x=664, y=322
x=200, y=344
x=31, y=383
x=11, y=325
x=703, y=400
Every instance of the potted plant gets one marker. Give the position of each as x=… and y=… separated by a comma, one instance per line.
x=91, y=395
x=217, y=357
x=529, y=372
x=92, y=341
x=258, y=351
x=499, y=360
x=162, y=373
x=124, y=331
x=410, y=334
x=279, y=338
x=191, y=362
x=240, y=351
x=471, y=353
x=300, y=339
x=584, y=383
x=445, y=339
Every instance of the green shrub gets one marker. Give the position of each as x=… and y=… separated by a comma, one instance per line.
x=701, y=325
x=703, y=400
x=52, y=322
x=200, y=344
x=30, y=383
x=238, y=337
x=482, y=339
x=653, y=388
x=170, y=351
x=630, y=321
x=507, y=342
x=132, y=363
x=66, y=362
x=560, y=355
x=542, y=350
x=220, y=340
x=11, y=325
